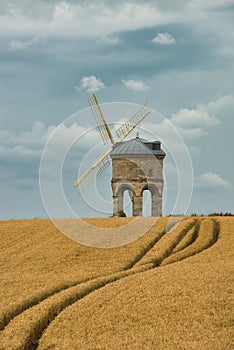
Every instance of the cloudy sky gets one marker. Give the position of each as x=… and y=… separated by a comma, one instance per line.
x=176, y=55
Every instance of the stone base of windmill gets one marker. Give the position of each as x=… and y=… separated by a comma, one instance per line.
x=137, y=165
x=137, y=201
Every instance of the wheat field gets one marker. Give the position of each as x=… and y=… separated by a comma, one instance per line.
x=170, y=289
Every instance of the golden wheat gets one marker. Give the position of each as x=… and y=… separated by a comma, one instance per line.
x=166, y=244
x=204, y=239
x=186, y=305
x=37, y=260
x=68, y=296
x=189, y=238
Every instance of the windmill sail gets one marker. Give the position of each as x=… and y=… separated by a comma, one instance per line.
x=102, y=163
x=101, y=122
x=93, y=172
x=126, y=128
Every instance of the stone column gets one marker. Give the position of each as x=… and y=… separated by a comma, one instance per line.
x=118, y=204
x=115, y=206
x=137, y=205
x=156, y=205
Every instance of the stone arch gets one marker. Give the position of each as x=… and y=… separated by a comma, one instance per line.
x=120, y=197
x=137, y=163
x=125, y=186
x=156, y=199
x=152, y=188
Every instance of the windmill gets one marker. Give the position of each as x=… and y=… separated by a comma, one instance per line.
x=103, y=162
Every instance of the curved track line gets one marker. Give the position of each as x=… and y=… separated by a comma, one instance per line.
x=25, y=330
x=75, y=293
x=195, y=247
x=18, y=309
x=17, y=313
x=174, y=243
x=163, y=245
x=196, y=223
x=189, y=238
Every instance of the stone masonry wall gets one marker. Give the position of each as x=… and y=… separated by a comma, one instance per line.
x=137, y=173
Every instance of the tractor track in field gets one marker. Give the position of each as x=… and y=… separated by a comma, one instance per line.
x=23, y=330
x=18, y=309
x=194, y=247
x=190, y=240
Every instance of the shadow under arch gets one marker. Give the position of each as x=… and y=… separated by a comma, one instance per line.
x=120, y=195
x=155, y=199
x=152, y=188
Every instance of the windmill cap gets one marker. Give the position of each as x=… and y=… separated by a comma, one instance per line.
x=138, y=146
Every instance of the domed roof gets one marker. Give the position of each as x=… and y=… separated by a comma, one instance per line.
x=136, y=146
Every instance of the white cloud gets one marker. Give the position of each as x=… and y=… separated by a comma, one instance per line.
x=91, y=84
x=163, y=39
x=24, y=145
x=192, y=123
x=190, y=118
x=93, y=18
x=136, y=85
x=35, y=138
x=212, y=181
x=110, y=40
x=63, y=11
x=19, y=45
x=26, y=44
x=28, y=145
x=20, y=153
x=210, y=4
x=192, y=133
x=221, y=105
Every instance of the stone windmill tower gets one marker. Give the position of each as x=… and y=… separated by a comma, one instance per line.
x=137, y=165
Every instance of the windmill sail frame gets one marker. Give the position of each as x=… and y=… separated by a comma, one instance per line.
x=95, y=170
x=103, y=162
x=124, y=130
x=100, y=120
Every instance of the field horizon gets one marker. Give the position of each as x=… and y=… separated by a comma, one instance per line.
x=172, y=288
